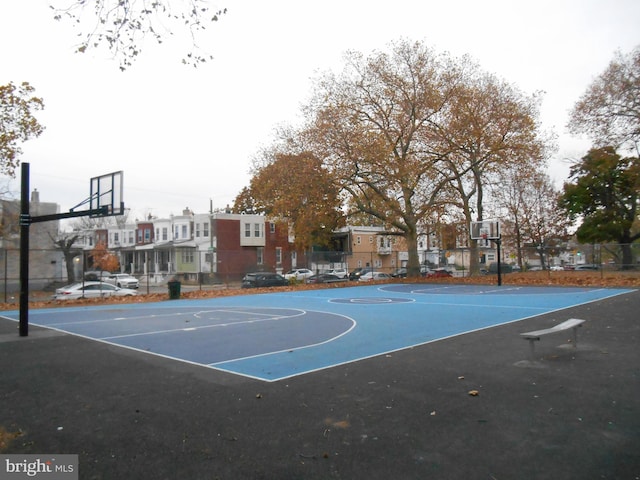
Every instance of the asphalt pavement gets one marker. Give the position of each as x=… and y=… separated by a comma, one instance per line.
x=475, y=406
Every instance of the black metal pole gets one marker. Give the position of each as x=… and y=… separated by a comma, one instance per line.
x=498, y=242
x=25, y=221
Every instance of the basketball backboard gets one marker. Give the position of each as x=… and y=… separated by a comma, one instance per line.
x=485, y=230
x=106, y=191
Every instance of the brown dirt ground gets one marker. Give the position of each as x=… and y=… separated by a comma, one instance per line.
x=567, y=278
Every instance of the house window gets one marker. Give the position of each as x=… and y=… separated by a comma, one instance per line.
x=272, y=227
x=184, y=231
x=131, y=237
x=187, y=256
x=260, y=255
x=205, y=229
x=164, y=233
x=247, y=230
x=116, y=237
x=278, y=255
x=256, y=228
x=147, y=234
x=176, y=233
x=197, y=230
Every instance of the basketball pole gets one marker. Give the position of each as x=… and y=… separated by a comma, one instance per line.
x=498, y=242
x=25, y=222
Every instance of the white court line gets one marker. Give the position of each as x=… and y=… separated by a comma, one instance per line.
x=189, y=329
x=176, y=314
x=354, y=323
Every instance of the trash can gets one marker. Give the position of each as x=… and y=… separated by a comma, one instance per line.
x=174, y=289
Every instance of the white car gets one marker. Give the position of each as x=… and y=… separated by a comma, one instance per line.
x=122, y=280
x=91, y=290
x=298, y=274
x=339, y=272
x=371, y=276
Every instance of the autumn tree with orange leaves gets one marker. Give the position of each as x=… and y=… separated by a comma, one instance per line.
x=103, y=259
x=295, y=188
x=17, y=123
x=409, y=132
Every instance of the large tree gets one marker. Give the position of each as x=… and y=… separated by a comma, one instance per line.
x=123, y=25
x=408, y=131
x=17, y=123
x=296, y=189
x=604, y=193
x=528, y=201
x=371, y=127
x=490, y=127
x=609, y=111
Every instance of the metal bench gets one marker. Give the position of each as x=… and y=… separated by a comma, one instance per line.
x=572, y=323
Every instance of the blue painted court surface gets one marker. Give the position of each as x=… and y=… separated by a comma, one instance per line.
x=279, y=335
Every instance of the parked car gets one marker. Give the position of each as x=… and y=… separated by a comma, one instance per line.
x=95, y=275
x=298, y=274
x=324, y=278
x=91, y=290
x=556, y=268
x=586, y=266
x=358, y=272
x=371, y=276
x=504, y=268
x=122, y=280
x=399, y=273
x=263, y=279
x=439, y=273
x=339, y=272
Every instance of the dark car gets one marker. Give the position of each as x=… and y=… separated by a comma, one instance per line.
x=358, y=272
x=263, y=279
x=587, y=266
x=400, y=273
x=504, y=267
x=324, y=278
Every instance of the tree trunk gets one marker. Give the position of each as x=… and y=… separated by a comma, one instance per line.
x=627, y=256
x=413, y=265
x=68, y=259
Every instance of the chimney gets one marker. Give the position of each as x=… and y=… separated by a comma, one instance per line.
x=35, y=196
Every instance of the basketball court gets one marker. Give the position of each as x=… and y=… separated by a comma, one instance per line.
x=278, y=335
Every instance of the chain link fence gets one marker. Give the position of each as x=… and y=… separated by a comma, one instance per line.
x=48, y=268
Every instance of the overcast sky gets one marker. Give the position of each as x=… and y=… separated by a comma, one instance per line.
x=185, y=136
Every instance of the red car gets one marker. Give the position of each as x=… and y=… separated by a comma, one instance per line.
x=439, y=273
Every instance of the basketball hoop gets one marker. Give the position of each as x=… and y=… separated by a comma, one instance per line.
x=485, y=230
